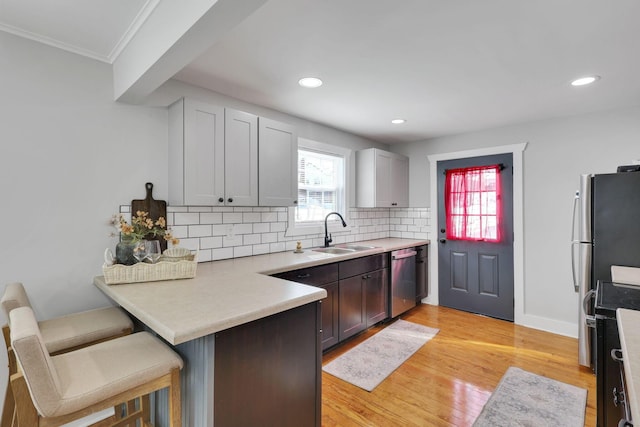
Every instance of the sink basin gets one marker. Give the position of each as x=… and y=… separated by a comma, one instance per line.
x=334, y=250
x=357, y=247
x=344, y=249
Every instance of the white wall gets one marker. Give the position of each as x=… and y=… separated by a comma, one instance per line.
x=559, y=150
x=69, y=156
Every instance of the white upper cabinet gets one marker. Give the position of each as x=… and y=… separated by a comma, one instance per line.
x=278, y=163
x=216, y=154
x=213, y=155
x=382, y=179
x=241, y=158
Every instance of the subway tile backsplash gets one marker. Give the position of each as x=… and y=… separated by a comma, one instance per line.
x=228, y=232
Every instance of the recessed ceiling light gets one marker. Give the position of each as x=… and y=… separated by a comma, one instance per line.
x=310, y=82
x=398, y=121
x=584, y=80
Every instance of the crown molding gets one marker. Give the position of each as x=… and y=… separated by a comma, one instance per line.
x=52, y=42
x=146, y=11
x=133, y=28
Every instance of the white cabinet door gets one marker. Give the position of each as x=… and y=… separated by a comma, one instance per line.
x=400, y=181
x=382, y=179
x=383, y=176
x=278, y=164
x=241, y=158
x=196, y=153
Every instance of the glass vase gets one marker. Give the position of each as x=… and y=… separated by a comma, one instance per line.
x=124, y=252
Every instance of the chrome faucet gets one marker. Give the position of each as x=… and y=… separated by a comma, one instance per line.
x=327, y=236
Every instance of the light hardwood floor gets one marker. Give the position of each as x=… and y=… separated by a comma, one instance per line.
x=448, y=381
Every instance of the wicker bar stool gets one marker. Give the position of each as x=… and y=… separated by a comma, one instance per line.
x=61, y=334
x=55, y=390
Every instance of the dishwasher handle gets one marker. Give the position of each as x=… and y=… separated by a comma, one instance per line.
x=403, y=255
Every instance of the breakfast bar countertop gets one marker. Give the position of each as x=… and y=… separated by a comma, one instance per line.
x=230, y=292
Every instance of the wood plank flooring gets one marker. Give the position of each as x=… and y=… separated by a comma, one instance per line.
x=448, y=381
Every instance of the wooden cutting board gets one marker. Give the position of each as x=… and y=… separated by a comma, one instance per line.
x=155, y=208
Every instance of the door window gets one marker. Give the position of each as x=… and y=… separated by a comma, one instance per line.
x=472, y=203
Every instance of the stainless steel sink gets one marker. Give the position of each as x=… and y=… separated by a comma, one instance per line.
x=344, y=249
x=334, y=250
x=357, y=247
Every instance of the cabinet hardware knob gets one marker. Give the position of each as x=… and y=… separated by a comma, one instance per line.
x=220, y=200
x=295, y=202
x=230, y=200
x=443, y=240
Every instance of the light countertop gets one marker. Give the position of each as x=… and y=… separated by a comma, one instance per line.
x=629, y=330
x=231, y=292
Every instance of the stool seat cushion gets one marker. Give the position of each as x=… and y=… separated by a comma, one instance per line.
x=94, y=373
x=77, y=329
x=66, y=383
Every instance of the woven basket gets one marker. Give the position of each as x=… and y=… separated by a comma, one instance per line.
x=143, y=272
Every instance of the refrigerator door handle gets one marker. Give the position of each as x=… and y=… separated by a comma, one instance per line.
x=574, y=242
x=576, y=286
x=589, y=319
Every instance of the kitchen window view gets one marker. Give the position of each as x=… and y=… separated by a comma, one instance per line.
x=321, y=186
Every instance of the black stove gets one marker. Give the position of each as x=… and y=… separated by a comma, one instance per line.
x=609, y=297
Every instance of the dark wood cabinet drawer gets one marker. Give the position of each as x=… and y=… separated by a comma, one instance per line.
x=362, y=265
x=315, y=276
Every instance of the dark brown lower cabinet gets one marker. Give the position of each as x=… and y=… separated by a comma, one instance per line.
x=352, y=307
x=364, y=301
x=268, y=372
x=330, y=316
x=357, y=294
x=326, y=277
x=377, y=296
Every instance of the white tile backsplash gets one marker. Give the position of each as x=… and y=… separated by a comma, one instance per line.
x=225, y=232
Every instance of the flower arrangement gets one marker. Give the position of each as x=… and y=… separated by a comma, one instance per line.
x=142, y=227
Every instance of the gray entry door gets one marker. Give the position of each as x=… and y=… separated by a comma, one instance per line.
x=477, y=276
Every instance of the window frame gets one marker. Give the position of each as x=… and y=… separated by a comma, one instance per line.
x=333, y=225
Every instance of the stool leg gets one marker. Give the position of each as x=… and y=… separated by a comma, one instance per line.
x=27, y=414
x=175, y=402
x=145, y=406
x=9, y=407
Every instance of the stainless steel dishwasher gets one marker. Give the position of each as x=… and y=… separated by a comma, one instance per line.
x=403, y=281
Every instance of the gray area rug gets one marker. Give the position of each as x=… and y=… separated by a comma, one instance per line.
x=529, y=400
x=371, y=361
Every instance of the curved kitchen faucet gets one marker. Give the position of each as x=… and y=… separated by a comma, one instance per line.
x=327, y=236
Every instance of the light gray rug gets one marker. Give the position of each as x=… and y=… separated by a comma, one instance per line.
x=529, y=400
x=371, y=361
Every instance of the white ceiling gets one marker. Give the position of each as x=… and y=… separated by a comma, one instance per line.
x=445, y=66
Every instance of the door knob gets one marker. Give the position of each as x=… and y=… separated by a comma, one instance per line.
x=443, y=240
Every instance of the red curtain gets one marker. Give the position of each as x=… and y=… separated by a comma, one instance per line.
x=473, y=203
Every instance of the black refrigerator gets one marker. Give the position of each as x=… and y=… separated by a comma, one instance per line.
x=606, y=233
